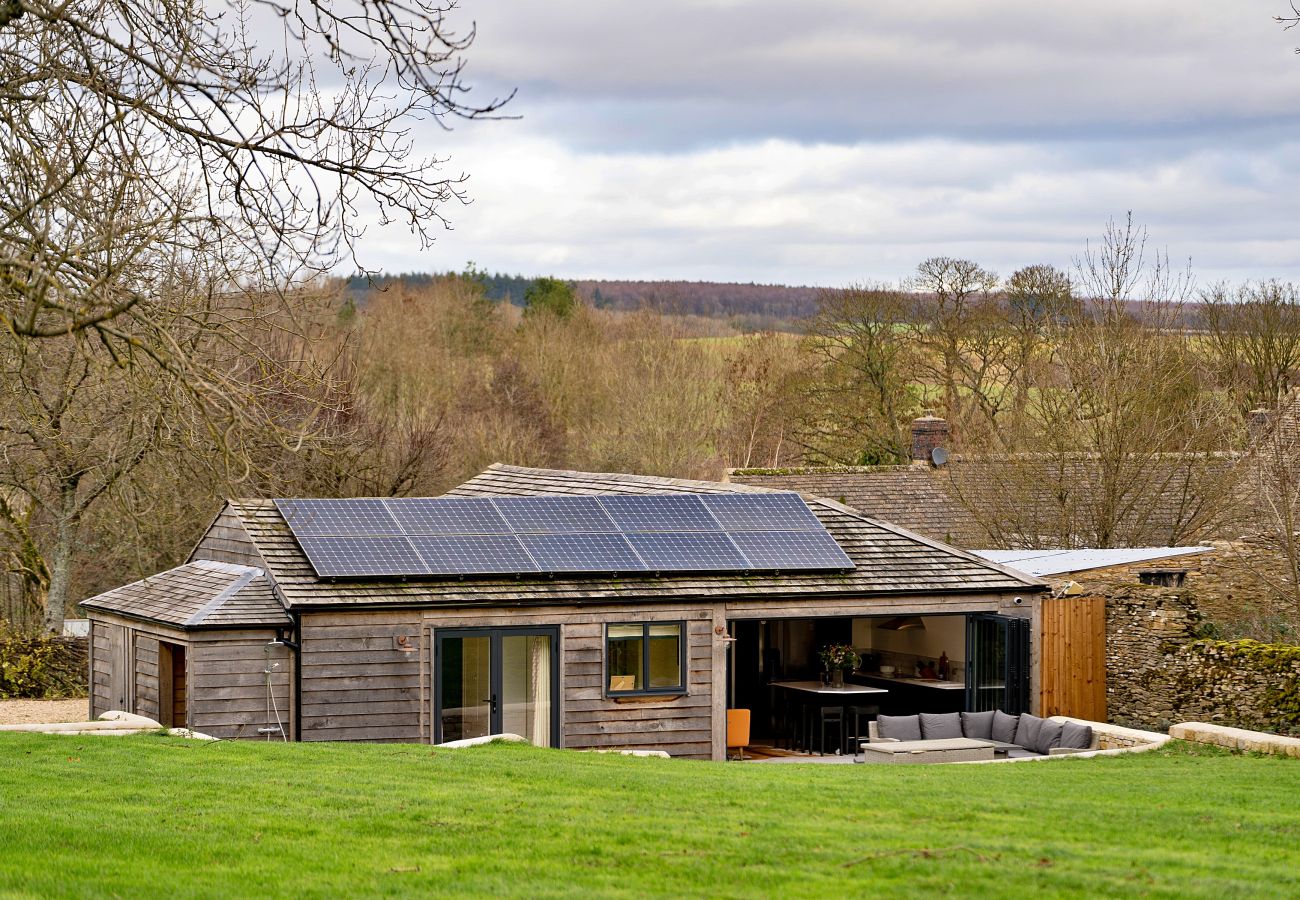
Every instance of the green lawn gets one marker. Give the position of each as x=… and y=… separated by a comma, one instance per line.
x=162, y=816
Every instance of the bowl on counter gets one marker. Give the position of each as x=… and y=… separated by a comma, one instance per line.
x=887, y=670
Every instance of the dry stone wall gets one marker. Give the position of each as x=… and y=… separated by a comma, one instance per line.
x=1161, y=670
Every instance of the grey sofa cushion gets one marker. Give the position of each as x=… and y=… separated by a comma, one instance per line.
x=978, y=725
x=1027, y=731
x=1049, y=736
x=940, y=725
x=1076, y=736
x=900, y=728
x=1004, y=727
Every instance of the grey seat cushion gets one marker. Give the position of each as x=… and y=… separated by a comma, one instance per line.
x=1004, y=727
x=1049, y=736
x=1021, y=753
x=1076, y=736
x=1027, y=731
x=978, y=725
x=940, y=725
x=900, y=728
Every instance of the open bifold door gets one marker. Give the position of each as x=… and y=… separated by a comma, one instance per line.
x=997, y=663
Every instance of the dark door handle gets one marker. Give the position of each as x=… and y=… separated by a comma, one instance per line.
x=494, y=703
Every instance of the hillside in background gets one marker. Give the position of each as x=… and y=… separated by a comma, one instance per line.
x=747, y=307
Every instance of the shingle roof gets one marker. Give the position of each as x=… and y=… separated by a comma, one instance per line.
x=889, y=560
x=913, y=497
x=198, y=595
x=1027, y=500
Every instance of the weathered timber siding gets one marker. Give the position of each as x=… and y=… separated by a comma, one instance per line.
x=681, y=725
x=226, y=685
x=356, y=684
x=102, y=640
x=227, y=541
x=146, y=676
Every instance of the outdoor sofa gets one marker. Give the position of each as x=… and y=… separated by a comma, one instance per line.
x=1016, y=737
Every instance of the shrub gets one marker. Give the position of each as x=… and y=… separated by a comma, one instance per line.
x=41, y=666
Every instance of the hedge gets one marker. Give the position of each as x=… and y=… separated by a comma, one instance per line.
x=41, y=666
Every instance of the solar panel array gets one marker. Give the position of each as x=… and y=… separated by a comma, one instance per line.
x=374, y=537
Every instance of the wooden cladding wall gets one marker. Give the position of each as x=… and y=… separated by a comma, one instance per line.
x=226, y=685
x=146, y=677
x=227, y=541
x=357, y=685
x=1073, y=658
x=680, y=725
x=222, y=689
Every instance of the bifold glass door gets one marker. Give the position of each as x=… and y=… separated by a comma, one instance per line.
x=497, y=681
x=997, y=664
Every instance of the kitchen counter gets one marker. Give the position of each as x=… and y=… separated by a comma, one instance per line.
x=934, y=683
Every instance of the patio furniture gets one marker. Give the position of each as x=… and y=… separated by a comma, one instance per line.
x=938, y=750
x=1013, y=737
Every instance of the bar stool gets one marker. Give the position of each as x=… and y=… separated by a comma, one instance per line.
x=830, y=715
x=858, y=714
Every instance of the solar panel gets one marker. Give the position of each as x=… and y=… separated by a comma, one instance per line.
x=372, y=537
x=574, y=552
x=473, y=554
x=447, y=515
x=351, y=555
x=694, y=551
x=554, y=515
x=791, y=550
x=338, y=517
x=761, y=512
x=677, y=512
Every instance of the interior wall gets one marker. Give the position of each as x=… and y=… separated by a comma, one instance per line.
x=942, y=634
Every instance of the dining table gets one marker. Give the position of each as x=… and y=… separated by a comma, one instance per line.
x=807, y=696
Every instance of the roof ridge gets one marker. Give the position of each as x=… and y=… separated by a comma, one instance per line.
x=220, y=599
x=967, y=555
x=576, y=474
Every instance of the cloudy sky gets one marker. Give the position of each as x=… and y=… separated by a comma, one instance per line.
x=827, y=143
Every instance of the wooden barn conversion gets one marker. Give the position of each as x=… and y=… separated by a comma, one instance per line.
x=249, y=639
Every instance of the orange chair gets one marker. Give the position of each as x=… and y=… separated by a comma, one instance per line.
x=738, y=730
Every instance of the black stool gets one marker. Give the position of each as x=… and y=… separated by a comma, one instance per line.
x=858, y=713
x=830, y=715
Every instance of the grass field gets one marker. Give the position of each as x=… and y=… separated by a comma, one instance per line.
x=161, y=816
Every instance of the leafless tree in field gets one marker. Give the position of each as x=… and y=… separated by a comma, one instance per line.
x=267, y=127
x=1253, y=334
x=1125, y=430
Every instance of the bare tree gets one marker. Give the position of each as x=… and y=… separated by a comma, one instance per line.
x=861, y=398
x=262, y=153
x=1125, y=432
x=1253, y=334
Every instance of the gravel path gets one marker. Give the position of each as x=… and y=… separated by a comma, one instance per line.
x=39, y=712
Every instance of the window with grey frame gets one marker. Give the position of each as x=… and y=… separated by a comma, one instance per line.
x=645, y=658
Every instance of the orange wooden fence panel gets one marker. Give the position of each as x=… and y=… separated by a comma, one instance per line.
x=1072, y=649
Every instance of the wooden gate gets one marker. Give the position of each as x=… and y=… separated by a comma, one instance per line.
x=1072, y=651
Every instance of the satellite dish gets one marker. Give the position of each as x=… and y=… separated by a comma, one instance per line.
x=938, y=456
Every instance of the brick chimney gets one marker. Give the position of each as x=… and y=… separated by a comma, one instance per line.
x=928, y=432
x=1258, y=421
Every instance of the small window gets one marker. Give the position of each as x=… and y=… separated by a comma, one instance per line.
x=645, y=658
x=1170, y=578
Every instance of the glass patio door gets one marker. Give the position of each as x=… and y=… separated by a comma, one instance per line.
x=997, y=664
x=495, y=681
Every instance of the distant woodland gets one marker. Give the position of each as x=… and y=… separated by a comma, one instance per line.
x=1086, y=383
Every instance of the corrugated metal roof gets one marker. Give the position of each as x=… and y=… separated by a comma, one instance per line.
x=1058, y=562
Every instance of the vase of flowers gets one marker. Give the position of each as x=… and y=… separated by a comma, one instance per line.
x=838, y=659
